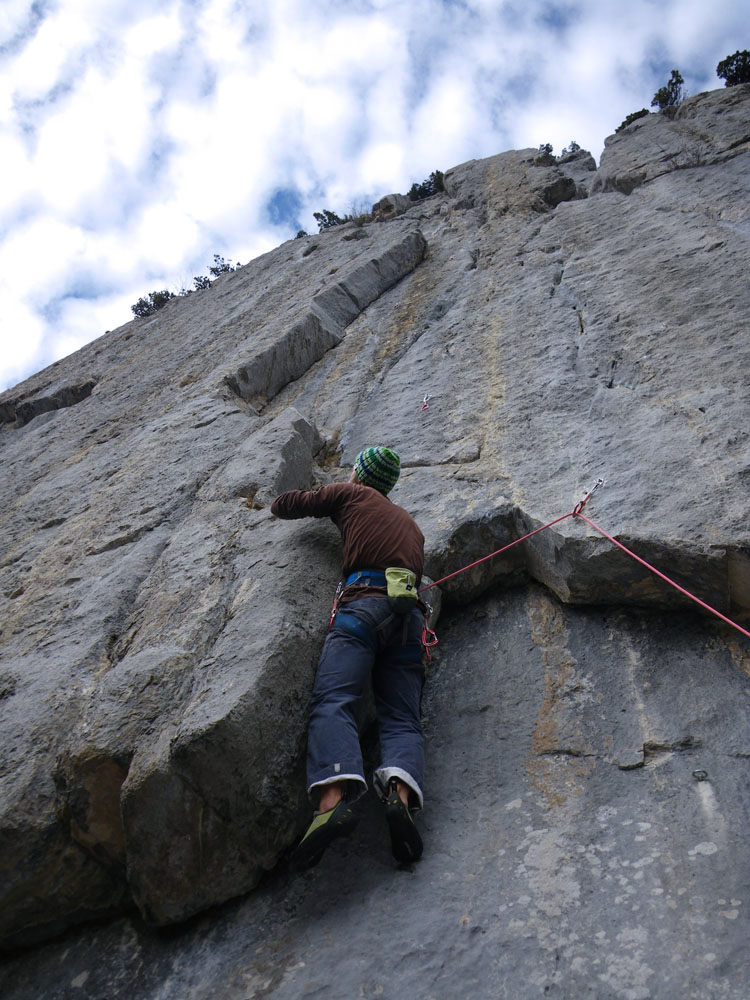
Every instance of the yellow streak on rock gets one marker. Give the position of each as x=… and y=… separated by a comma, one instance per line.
x=554, y=777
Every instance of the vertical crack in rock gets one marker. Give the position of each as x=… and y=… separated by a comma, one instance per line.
x=90, y=788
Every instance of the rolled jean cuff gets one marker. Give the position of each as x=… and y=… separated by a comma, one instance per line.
x=382, y=778
x=312, y=794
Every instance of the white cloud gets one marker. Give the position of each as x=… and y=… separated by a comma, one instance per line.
x=164, y=233
x=381, y=161
x=154, y=33
x=79, y=315
x=14, y=15
x=17, y=184
x=22, y=338
x=39, y=258
x=40, y=66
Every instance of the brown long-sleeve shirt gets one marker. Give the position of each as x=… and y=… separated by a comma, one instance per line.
x=375, y=532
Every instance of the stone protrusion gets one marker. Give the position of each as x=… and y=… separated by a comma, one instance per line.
x=390, y=206
x=285, y=358
x=272, y=459
x=56, y=397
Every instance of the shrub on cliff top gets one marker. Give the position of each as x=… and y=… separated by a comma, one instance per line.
x=433, y=185
x=221, y=266
x=328, y=219
x=735, y=69
x=545, y=156
x=147, y=305
x=633, y=117
x=671, y=95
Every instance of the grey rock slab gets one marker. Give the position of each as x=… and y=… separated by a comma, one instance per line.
x=708, y=128
x=123, y=522
x=54, y=398
x=212, y=807
x=581, y=166
x=160, y=629
x=271, y=367
x=346, y=299
x=275, y=458
x=548, y=867
x=180, y=618
x=390, y=206
x=277, y=357
x=605, y=352
x=518, y=181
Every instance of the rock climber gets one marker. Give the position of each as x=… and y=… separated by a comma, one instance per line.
x=376, y=629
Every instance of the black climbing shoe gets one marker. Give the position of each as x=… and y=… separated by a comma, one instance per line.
x=337, y=822
x=406, y=844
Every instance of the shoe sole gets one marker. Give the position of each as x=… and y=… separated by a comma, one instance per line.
x=311, y=848
x=406, y=844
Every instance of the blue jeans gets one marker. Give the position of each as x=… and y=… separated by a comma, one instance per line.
x=367, y=637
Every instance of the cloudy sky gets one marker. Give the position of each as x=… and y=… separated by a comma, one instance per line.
x=140, y=137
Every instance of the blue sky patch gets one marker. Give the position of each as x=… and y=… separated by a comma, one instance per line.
x=284, y=208
x=558, y=17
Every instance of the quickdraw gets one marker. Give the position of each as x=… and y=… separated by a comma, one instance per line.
x=429, y=639
x=334, y=609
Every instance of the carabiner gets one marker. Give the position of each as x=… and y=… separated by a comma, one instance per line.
x=582, y=503
x=334, y=609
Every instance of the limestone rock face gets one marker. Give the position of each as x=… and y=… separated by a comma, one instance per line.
x=537, y=326
x=151, y=605
x=709, y=128
x=390, y=206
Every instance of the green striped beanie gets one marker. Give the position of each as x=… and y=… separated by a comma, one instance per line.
x=378, y=467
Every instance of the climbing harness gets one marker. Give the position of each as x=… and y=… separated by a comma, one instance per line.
x=578, y=512
x=398, y=583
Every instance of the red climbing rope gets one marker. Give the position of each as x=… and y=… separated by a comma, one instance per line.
x=496, y=553
x=578, y=512
x=663, y=576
